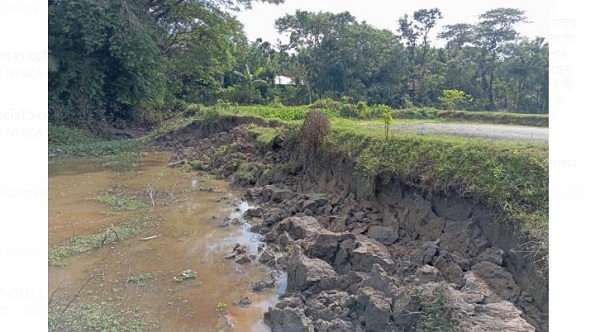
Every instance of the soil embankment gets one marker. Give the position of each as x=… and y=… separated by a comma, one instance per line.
x=380, y=256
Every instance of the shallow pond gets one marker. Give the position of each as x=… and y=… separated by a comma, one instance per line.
x=137, y=282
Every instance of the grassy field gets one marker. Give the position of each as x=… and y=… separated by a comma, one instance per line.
x=338, y=110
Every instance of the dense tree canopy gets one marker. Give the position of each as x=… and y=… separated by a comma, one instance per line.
x=137, y=60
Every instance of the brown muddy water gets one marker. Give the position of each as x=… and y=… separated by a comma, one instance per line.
x=131, y=281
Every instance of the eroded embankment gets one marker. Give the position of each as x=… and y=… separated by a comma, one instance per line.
x=403, y=259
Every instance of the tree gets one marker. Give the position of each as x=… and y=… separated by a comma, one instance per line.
x=111, y=59
x=413, y=31
x=106, y=61
x=481, y=49
x=386, y=117
x=338, y=57
x=494, y=35
x=452, y=98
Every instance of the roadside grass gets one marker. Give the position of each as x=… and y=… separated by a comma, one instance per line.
x=428, y=114
x=87, y=242
x=96, y=316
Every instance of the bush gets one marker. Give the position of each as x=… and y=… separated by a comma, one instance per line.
x=348, y=111
x=314, y=129
x=327, y=103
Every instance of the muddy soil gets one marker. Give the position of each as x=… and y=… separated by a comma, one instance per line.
x=137, y=283
x=402, y=260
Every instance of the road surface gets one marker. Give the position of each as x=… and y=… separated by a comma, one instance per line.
x=490, y=131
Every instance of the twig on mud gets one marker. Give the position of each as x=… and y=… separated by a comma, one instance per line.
x=76, y=295
x=53, y=292
x=108, y=233
x=182, y=148
x=151, y=188
x=178, y=162
x=149, y=237
x=150, y=192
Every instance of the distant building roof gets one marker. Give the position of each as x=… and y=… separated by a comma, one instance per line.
x=282, y=80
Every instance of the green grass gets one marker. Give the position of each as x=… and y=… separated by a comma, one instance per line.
x=537, y=120
x=266, y=135
x=84, y=243
x=436, y=316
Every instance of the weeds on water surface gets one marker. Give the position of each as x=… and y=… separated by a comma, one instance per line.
x=84, y=243
x=96, y=316
x=122, y=203
x=185, y=275
x=139, y=279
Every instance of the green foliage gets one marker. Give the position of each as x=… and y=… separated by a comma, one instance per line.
x=436, y=315
x=386, y=117
x=348, y=111
x=268, y=112
x=68, y=136
x=327, y=103
x=108, y=61
x=453, y=98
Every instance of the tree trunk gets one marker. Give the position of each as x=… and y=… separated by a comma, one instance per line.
x=492, y=105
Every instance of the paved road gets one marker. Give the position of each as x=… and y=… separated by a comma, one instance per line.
x=490, y=131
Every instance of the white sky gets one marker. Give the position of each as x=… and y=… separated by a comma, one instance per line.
x=259, y=22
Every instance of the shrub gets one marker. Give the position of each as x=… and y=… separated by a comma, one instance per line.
x=327, y=103
x=348, y=111
x=315, y=127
